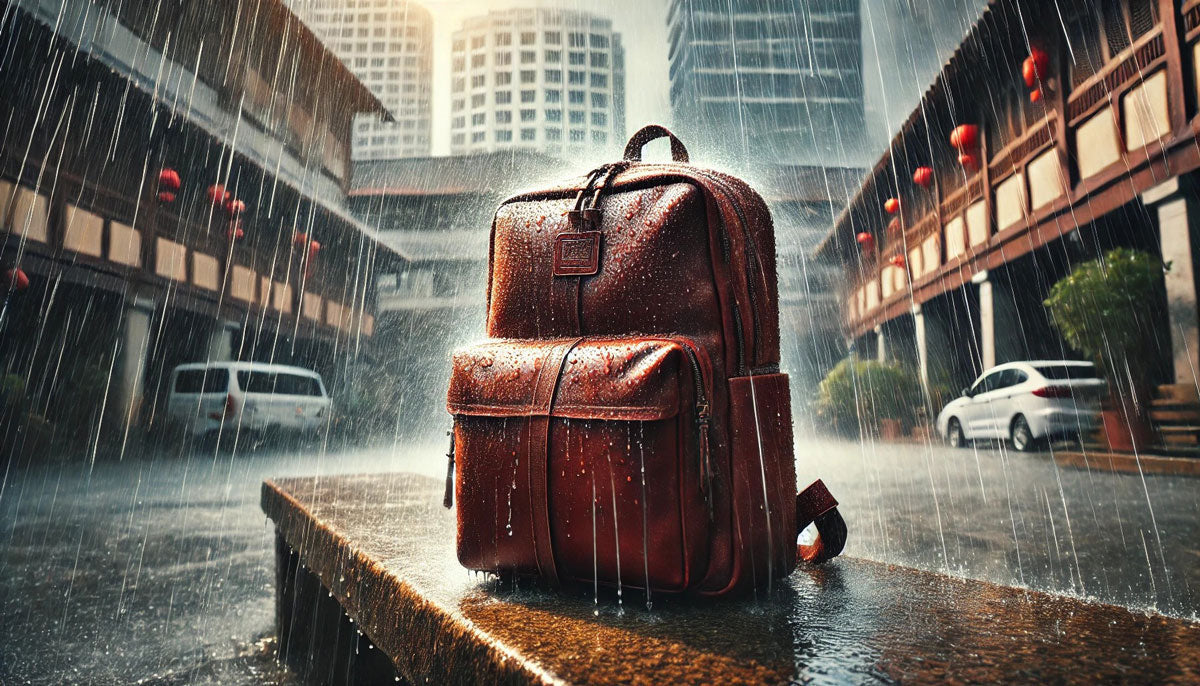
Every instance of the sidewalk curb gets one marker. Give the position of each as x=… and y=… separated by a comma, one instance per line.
x=1127, y=463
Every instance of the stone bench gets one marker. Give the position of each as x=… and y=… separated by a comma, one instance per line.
x=369, y=590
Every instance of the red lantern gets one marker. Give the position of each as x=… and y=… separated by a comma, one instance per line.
x=235, y=232
x=1035, y=95
x=969, y=161
x=965, y=137
x=313, y=248
x=166, y=197
x=1036, y=66
x=866, y=241
x=168, y=180
x=923, y=177
x=300, y=240
x=892, y=205
x=16, y=279
x=217, y=194
x=897, y=261
x=234, y=207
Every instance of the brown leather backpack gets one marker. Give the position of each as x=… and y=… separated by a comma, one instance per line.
x=627, y=423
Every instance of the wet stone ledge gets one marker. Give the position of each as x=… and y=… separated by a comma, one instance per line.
x=382, y=548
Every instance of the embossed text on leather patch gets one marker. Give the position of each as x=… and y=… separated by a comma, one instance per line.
x=577, y=254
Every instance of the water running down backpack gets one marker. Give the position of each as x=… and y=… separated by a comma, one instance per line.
x=626, y=423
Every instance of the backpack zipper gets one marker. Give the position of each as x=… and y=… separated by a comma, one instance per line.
x=703, y=424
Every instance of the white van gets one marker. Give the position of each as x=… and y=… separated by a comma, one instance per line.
x=248, y=396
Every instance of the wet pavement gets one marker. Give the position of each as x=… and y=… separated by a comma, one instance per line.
x=160, y=570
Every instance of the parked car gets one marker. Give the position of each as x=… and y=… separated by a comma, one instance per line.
x=253, y=397
x=1026, y=403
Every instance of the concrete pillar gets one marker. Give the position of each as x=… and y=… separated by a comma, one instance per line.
x=220, y=341
x=131, y=361
x=1001, y=336
x=1178, y=218
x=881, y=352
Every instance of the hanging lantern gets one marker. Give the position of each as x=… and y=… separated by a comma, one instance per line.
x=300, y=240
x=168, y=180
x=313, y=248
x=1035, y=95
x=866, y=240
x=235, y=232
x=217, y=194
x=892, y=205
x=234, y=207
x=16, y=279
x=969, y=161
x=897, y=261
x=1036, y=67
x=965, y=137
x=923, y=177
x=166, y=197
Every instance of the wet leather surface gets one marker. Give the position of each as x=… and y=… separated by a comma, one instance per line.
x=385, y=547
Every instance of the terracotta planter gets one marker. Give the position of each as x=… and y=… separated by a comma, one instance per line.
x=891, y=430
x=1126, y=433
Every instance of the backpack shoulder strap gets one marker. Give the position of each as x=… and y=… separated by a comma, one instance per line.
x=816, y=505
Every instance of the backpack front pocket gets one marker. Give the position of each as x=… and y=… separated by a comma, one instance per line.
x=583, y=459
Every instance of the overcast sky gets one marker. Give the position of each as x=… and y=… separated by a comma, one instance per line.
x=904, y=44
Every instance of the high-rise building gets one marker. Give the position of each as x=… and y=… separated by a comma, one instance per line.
x=540, y=79
x=768, y=81
x=388, y=44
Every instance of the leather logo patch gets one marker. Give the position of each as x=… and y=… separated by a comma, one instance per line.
x=577, y=254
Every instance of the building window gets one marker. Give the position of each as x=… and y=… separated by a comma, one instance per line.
x=575, y=97
x=458, y=123
x=553, y=76
x=577, y=78
x=576, y=136
x=479, y=81
x=528, y=37
x=553, y=115
x=599, y=80
x=478, y=61
x=478, y=119
x=503, y=78
x=528, y=76
x=477, y=42
x=458, y=64
x=503, y=39
x=503, y=58
x=528, y=57
x=600, y=60
x=459, y=45
x=554, y=56
x=576, y=58
x=577, y=40
x=503, y=97
x=599, y=137
x=577, y=117
x=528, y=96
x=478, y=136
x=553, y=96
x=599, y=100
x=503, y=117
x=528, y=115
x=599, y=42
x=458, y=106
x=528, y=134
x=478, y=99
x=458, y=139
x=599, y=119
x=503, y=136
x=553, y=134
x=553, y=38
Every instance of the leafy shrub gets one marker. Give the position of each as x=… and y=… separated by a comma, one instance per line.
x=857, y=395
x=1106, y=309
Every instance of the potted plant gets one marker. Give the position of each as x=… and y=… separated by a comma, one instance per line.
x=869, y=398
x=1106, y=309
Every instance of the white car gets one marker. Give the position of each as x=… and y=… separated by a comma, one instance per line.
x=252, y=397
x=1026, y=402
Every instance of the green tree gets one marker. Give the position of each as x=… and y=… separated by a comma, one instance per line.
x=1107, y=308
x=856, y=395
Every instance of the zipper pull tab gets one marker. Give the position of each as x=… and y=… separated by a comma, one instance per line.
x=702, y=417
x=448, y=498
